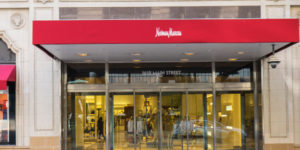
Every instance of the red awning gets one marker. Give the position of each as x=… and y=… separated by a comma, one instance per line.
x=165, y=31
x=7, y=73
x=214, y=40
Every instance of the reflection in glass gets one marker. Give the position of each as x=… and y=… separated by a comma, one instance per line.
x=8, y=114
x=229, y=126
x=160, y=73
x=249, y=121
x=6, y=55
x=147, y=121
x=86, y=73
x=174, y=121
x=200, y=116
x=4, y=118
x=197, y=119
x=159, y=12
x=209, y=123
x=234, y=72
x=86, y=121
x=123, y=122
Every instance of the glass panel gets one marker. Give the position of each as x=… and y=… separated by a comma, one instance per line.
x=249, y=121
x=196, y=118
x=4, y=117
x=174, y=121
x=147, y=121
x=160, y=73
x=6, y=55
x=234, y=72
x=259, y=99
x=86, y=121
x=229, y=123
x=210, y=119
x=86, y=73
x=123, y=122
x=7, y=114
x=160, y=12
x=200, y=116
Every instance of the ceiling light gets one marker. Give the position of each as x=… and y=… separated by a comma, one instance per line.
x=136, y=54
x=184, y=60
x=232, y=59
x=82, y=54
x=88, y=61
x=188, y=53
x=136, y=60
x=241, y=52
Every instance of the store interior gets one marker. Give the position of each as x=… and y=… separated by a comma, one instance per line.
x=183, y=123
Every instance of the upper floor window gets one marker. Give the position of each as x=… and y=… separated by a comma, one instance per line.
x=208, y=12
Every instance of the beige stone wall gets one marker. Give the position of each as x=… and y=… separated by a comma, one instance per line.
x=279, y=147
x=38, y=76
x=38, y=143
x=45, y=143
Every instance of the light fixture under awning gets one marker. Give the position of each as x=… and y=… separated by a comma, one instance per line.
x=210, y=40
x=7, y=74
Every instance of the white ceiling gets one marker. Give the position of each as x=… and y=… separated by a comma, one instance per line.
x=203, y=52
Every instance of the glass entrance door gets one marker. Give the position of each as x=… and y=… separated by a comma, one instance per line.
x=148, y=121
x=86, y=121
x=123, y=121
x=165, y=120
x=235, y=120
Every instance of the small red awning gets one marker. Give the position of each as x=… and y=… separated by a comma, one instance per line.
x=7, y=73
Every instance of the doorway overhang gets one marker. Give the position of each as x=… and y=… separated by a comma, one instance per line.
x=164, y=40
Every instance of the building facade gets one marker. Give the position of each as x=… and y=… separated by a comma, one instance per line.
x=58, y=104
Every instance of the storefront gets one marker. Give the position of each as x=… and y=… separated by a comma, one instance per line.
x=7, y=96
x=163, y=84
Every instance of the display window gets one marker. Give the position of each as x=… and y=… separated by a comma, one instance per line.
x=4, y=127
x=7, y=95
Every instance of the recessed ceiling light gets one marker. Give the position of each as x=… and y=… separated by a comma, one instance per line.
x=184, y=60
x=232, y=59
x=136, y=60
x=136, y=54
x=88, y=61
x=241, y=52
x=82, y=54
x=188, y=53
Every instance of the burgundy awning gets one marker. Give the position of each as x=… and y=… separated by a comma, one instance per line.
x=7, y=73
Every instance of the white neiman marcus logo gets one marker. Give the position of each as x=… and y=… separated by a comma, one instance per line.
x=169, y=33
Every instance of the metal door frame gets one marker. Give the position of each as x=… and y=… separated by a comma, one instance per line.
x=160, y=88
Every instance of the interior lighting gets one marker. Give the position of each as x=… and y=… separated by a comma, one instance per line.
x=209, y=146
x=88, y=61
x=188, y=53
x=224, y=115
x=241, y=52
x=209, y=133
x=232, y=59
x=229, y=108
x=184, y=60
x=136, y=60
x=136, y=54
x=82, y=54
x=229, y=127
